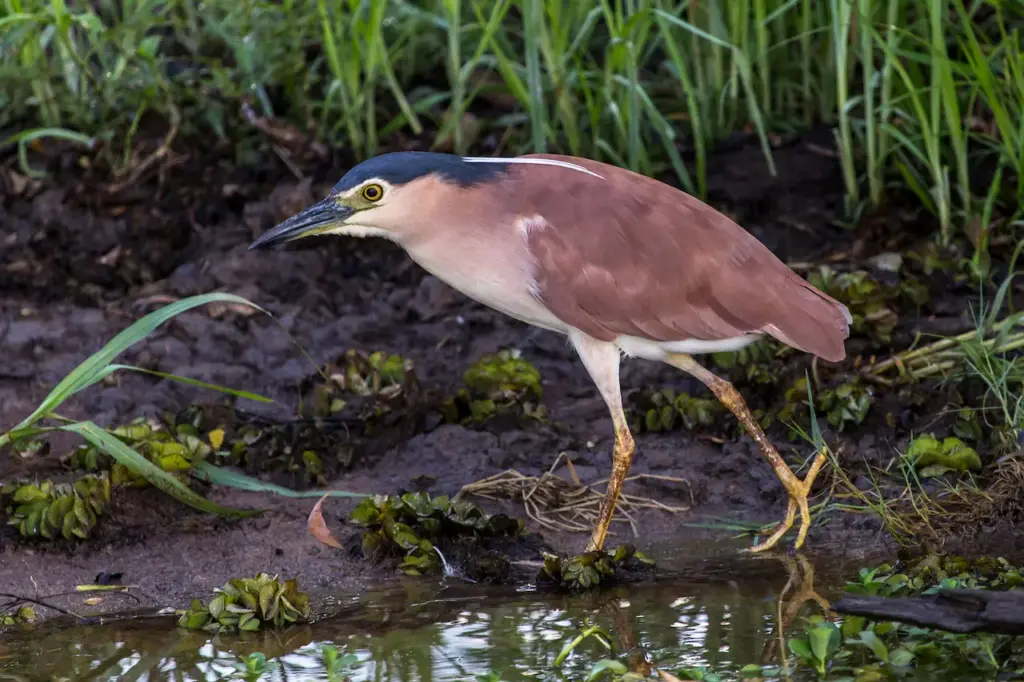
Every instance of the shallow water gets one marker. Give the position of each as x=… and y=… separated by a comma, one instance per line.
x=452, y=630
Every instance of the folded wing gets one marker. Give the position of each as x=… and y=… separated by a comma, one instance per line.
x=624, y=254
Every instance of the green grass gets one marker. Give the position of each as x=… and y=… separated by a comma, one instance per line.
x=99, y=366
x=919, y=91
x=987, y=359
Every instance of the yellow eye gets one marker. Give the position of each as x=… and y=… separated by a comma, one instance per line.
x=373, y=192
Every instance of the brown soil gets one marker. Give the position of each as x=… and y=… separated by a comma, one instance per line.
x=78, y=264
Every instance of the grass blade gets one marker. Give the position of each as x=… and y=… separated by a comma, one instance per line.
x=95, y=367
x=194, y=382
x=742, y=64
x=533, y=18
x=206, y=471
x=135, y=462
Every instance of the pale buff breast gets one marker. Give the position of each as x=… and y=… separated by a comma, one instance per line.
x=492, y=266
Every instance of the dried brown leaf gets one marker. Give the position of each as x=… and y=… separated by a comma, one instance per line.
x=318, y=528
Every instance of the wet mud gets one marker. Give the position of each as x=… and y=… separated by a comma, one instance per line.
x=78, y=264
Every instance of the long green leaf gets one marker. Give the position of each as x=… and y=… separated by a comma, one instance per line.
x=95, y=367
x=135, y=462
x=194, y=382
x=219, y=476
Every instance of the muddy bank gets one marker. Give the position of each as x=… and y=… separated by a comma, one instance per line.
x=78, y=265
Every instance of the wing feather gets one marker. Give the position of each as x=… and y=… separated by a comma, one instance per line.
x=624, y=254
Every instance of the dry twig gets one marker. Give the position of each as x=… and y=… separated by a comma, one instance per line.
x=558, y=504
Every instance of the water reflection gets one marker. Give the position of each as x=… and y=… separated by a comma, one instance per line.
x=420, y=630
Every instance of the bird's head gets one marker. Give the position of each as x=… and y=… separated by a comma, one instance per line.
x=389, y=196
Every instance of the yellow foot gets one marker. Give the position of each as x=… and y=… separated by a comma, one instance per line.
x=798, y=491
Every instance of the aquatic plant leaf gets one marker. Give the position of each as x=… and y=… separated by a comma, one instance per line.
x=270, y=606
x=933, y=457
x=801, y=648
x=591, y=569
x=877, y=646
x=419, y=503
x=664, y=410
x=152, y=473
x=69, y=510
x=422, y=560
x=29, y=493
x=371, y=543
x=238, y=608
x=245, y=604
x=901, y=657
x=366, y=513
x=217, y=606
x=402, y=535
x=652, y=420
x=249, y=622
x=195, y=621
x=824, y=640
x=502, y=374
x=402, y=524
x=847, y=403
x=497, y=383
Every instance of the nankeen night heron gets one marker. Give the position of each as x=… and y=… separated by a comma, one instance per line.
x=618, y=262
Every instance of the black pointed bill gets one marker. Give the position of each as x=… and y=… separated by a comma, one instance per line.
x=320, y=217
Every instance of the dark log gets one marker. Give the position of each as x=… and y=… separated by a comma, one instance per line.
x=958, y=611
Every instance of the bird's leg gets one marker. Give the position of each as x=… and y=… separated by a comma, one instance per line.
x=622, y=458
x=602, y=362
x=798, y=490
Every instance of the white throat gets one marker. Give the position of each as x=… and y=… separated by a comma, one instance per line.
x=361, y=231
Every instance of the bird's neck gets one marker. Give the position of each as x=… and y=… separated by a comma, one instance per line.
x=489, y=264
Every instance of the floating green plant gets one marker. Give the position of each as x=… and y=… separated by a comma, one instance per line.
x=865, y=649
x=590, y=569
x=870, y=302
x=174, y=449
x=504, y=374
x=262, y=444
x=998, y=436
x=314, y=467
x=933, y=571
x=247, y=604
x=410, y=524
x=20, y=616
x=49, y=509
x=665, y=410
x=932, y=457
x=843, y=405
x=758, y=363
x=818, y=645
x=383, y=378
x=371, y=374
x=497, y=383
x=847, y=403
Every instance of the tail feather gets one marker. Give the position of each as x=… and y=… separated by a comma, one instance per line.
x=814, y=322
